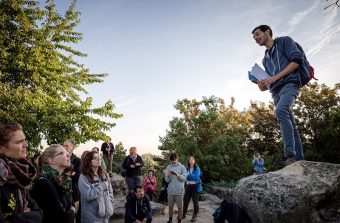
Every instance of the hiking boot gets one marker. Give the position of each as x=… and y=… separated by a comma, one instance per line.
x=194, y=218
x=287, y=160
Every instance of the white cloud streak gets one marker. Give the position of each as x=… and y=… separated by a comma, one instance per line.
x=300, y=16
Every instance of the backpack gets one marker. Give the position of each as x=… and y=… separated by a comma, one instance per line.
x=307, y=73
x=122, y=170
x=305, y=76
x=230, y=212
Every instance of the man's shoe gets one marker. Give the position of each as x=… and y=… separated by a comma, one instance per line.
x=287, y=160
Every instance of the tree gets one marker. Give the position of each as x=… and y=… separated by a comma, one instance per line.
x=213, y=133
x=118, y=157
x=332, y=5
x=264, y=134
x=317, y=111
x=41, y=82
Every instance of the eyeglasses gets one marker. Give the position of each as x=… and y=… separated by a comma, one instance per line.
x=96, y=158
x=64, y=153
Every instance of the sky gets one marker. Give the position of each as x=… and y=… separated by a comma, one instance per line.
x=156, y=52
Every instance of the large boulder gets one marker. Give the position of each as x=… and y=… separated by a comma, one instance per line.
x=118, y=185
x=301, y=192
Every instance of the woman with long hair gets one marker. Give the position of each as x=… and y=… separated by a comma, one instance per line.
x=95, y=190
x=53, y=189
x=150, y=184
x=193, y=187
x=16, y=176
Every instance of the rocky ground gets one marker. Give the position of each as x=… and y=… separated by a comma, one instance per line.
x=207, y=208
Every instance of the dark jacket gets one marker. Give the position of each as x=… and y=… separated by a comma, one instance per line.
x=104, y=146
x=13, y=192
x=276, y=59
x=130, y=172
x=75, y=167
x=137, y=209
x=34, y=216
x=53, y=200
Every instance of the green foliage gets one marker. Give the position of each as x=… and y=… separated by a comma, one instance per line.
x=213, y=133
x=265, y=135
x=317, y=111
x=41, y=81
x=223, y=183
x=149, y=163
x=223, y=140
x=118, y=157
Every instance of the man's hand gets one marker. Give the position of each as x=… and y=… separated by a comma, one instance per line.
x=269, y=80
x=144, y=220
x=262, y=87
x=132, y=166
x=137, y=221
x=137, y=164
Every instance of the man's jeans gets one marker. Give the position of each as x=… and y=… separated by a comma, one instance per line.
x=133, y=181
x=284, y=101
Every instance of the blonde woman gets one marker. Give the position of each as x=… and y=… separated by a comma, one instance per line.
x=53, y=189
x=95, y=190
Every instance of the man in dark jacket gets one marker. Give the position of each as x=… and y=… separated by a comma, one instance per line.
x=74, y=172
x=283, y=61
x=133, y=164
x=138, y=208
x=108, y=150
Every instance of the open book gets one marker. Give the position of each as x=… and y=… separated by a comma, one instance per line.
x=257, y=74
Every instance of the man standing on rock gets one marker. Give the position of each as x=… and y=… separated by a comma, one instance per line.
x=175, y=175
x=282, y=61
x=108, y=149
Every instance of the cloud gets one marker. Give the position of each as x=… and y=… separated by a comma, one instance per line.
x=327, y=31
x=300, y=16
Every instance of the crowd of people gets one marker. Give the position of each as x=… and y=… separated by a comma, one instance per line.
x=57, y=186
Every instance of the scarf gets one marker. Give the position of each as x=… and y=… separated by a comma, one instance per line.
x=59, y=180
x=19, y=173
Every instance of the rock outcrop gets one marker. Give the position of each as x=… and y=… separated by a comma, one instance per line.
x=302, y=192
x=118, y=185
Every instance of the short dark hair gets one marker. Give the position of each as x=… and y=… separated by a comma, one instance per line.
x=137, y=187
x=173, y=156
x=263, y=28
x=71, y=141
x=6, y=130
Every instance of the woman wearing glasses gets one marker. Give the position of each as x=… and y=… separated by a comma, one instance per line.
x=16, y=176
x=53, y=189
x=95, y=190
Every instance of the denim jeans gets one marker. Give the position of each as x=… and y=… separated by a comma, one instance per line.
x=133, y=181
x=284, y=101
